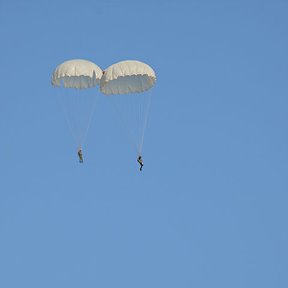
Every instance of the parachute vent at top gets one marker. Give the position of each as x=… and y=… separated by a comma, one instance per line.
x=127, y=77
x=77, y=73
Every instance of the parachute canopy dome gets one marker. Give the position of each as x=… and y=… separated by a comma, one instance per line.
x=127, y=77
x=77, y=73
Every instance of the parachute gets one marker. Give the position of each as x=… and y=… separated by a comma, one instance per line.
x=126, y=81
x=78, y=101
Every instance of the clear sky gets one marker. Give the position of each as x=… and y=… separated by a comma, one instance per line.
x=209, y=209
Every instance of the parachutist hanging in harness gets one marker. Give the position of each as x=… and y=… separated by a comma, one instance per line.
x=140, y=161
x=80, y=155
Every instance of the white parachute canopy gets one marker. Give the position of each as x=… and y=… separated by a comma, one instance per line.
x=127, y=77
x=78, y=103
x=133, y=78
x=77, y=73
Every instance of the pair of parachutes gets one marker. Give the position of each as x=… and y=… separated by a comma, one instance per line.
x=124, y=82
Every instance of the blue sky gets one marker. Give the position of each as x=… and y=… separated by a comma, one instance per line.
x=209, y=209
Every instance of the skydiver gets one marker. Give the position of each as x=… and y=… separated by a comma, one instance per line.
x=140, y=161
x=80, y=155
